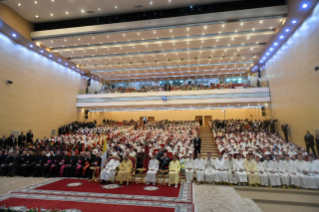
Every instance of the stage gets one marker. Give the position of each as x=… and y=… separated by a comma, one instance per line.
x=80, y=194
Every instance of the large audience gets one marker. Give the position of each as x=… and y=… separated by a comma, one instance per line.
x=169, y=87
x=249, y=152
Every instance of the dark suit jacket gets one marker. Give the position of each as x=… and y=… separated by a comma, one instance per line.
x=197, y=141
x=29, y=137
x=9, y=141
x=309, y=139
x=21, y=139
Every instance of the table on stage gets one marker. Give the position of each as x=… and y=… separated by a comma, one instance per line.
x=142, y=175
x=162, y=172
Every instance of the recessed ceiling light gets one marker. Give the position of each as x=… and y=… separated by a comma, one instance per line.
x=115, y=7
x=99, y=9
x=82, y=11
x=261, y=22
x=223, y=25
x=35, y=2
x=37, y=16
x=241, y=24
x=151, y=2
x=67, y=13
x=51, y=14
x=19, y=4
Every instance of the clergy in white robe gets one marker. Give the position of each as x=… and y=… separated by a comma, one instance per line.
x=241, y=174
x=270, y=169
x=281, y=170
x=209, y=169
x=314, y=169
x=231, y=169
x=152, y=171
x=220, y=169
x=189, y=168
x=109, y=170
x=199, y=165
x=292, y=172
x=307, y=180
x=261, y=172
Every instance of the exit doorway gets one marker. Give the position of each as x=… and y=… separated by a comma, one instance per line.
x=199, y=119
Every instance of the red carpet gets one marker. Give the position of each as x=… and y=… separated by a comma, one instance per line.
x=89, y=204
x=92, y=187
x=83, y=206
x=84, y=188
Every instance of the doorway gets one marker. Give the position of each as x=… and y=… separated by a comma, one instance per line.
x=207, y=119
x=199, y=119
x=151, y=118
x=142, y=121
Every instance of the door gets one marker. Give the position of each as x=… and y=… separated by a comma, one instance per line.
x=151, y=118
x=199, y=119
x=141, y=121
x=208, y=119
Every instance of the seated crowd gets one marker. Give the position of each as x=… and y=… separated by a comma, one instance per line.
x=247, y=154
x=169, y=87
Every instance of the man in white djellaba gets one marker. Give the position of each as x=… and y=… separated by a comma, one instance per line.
x=307, y=180
x=314, y=169
x=209, y=169
x=240, y=173
x=109, y=170
x=231, y=169
x=199, y=165
x=220, y=169
x=270, y=169
x=281, y=170
x=292, y=172
x=152, y=170
x=189, y=168
x=261, y=171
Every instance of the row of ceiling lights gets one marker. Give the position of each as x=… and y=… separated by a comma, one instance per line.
x=276, y=44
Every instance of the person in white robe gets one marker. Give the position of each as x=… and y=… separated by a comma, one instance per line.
x=189, y=168
x=199, y=165
x=209, y=169
x=307, y=180
x=292, y=172
x=281, y=170
x=220, y=170
x=270, y=169
x=231, y=169
x=109, y=170
x=261, y=171
x=152, y=171
x=240, y=173
x=314, y=169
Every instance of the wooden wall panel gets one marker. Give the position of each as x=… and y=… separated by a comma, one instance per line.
x=294, y=85
x=43, y=94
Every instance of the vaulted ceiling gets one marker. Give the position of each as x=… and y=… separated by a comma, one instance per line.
x=210, y=48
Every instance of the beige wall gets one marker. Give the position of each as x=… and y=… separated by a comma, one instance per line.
x=294, y=85
x=43, y=94
x=95, y=86
x=172, y=115
x=13, y=19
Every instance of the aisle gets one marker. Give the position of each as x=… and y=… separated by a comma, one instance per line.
x=208, y=142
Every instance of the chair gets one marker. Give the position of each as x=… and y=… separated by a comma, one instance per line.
x=134, y=161
x=170, y=155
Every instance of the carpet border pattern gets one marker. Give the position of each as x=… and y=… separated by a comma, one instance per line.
x=185, y=193
x=179, y=207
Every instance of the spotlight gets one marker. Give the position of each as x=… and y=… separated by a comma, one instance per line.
x=294, y=21
x=276, y=44
x=281, y=37
x=14, y=35
x=50, y=55
x=304, y=5
x=287, y=30
x=31, y=46
x=191, y=6
x=41, y=51
x=66, y=64
x=59, y=60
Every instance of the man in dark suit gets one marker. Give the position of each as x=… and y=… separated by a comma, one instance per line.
x=3, y=142
x=164, y=161
x=29, y=136
x=317, y=143
x=21, y=139
x=11, y=141
x=309, y=140
x=197, y=145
